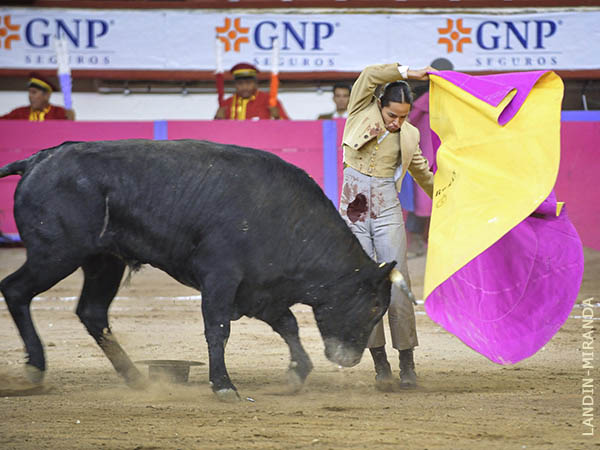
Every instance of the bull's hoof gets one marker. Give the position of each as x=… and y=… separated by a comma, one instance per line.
x=227, y=395
x=135, y=380
x=138, y=384
x=297, y=374
x=295, y=381
x=33, y=374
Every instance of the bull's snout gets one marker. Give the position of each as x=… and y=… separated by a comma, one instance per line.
x=341, y=354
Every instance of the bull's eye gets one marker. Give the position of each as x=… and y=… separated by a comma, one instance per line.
x=374, y=310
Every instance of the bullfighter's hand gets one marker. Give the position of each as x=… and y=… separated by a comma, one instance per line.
x=70, y=113
x=420, y=74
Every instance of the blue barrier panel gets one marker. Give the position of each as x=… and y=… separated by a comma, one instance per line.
x=161, y=130
x=580, y=116
x=330, y=169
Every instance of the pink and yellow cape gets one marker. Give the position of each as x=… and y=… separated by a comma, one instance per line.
x=504, y=263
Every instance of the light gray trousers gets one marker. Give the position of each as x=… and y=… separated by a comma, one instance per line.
x=370, y=207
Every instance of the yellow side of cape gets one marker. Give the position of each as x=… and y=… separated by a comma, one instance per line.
x=490, y=177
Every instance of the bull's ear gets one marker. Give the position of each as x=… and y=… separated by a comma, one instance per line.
x=385, y=269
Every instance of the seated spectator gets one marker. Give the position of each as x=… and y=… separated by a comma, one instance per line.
x=341, y=97
x=249, y=103
x=40, y=109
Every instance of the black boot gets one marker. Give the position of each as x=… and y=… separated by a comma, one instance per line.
x=408, y=377
x=383, y=372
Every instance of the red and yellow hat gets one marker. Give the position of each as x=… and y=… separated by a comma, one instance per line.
x=243, y=70
x=37, y=81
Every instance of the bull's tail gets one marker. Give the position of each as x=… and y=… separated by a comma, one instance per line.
x=14, y=168
x=22, y=166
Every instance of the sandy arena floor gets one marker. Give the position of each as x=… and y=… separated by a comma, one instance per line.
x=463, y=402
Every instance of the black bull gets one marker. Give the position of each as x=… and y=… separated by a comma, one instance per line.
x=253, y=233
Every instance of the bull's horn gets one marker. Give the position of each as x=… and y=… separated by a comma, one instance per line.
x=397, y=278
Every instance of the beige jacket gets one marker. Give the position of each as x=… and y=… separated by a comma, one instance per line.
x=365, y=125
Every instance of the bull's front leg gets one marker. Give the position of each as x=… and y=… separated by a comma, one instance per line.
x=216, y=338
x=287, y=327
x=216, y=310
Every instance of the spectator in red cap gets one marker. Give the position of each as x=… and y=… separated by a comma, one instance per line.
x=248, y=103
x=39, y=108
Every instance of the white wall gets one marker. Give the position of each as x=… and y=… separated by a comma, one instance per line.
x=119, y=107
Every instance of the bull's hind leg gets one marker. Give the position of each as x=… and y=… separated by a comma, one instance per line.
x=103, y=274
x=19, y=289
x=287, y=327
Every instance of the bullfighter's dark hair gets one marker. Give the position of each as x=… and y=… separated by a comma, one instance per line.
x=399, y=92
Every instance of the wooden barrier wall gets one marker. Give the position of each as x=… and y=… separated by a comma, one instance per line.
x=312, y=145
